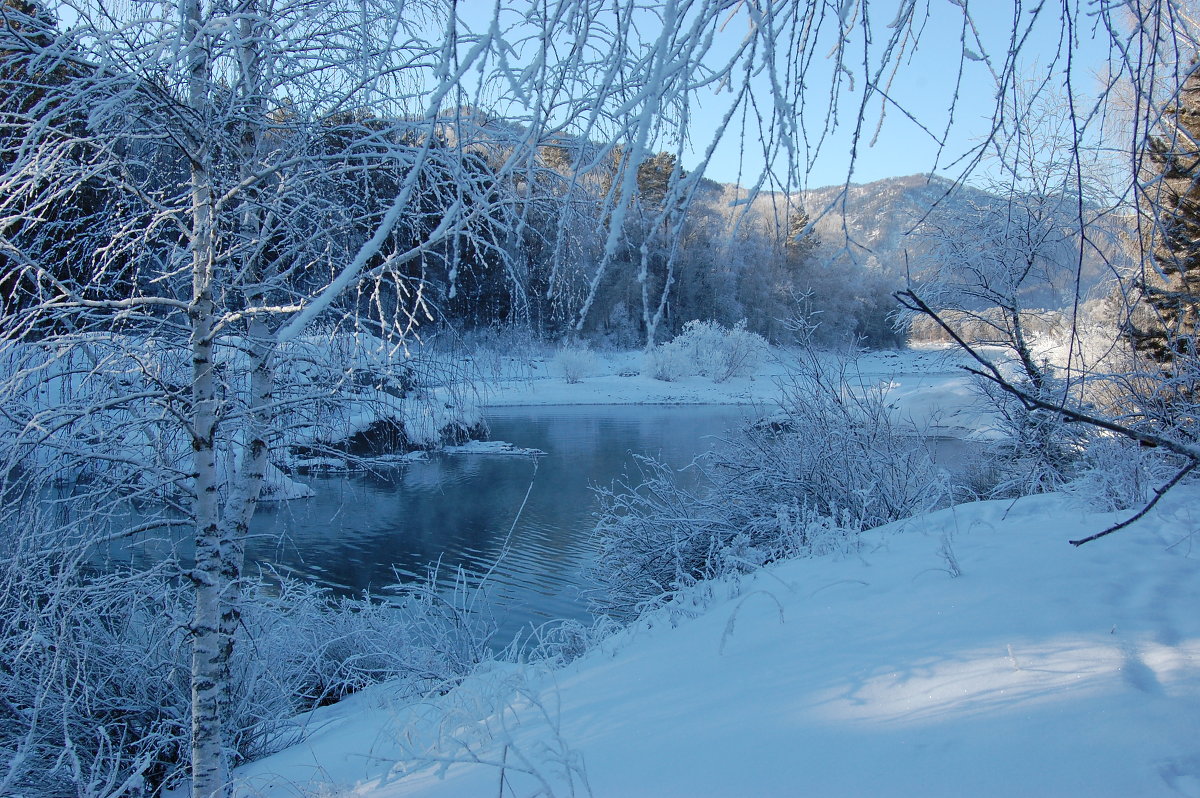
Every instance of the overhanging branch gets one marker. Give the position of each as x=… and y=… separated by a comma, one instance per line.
x=988, y=371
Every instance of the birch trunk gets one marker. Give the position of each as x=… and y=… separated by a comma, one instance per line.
x=246, y=476
x=209, y=650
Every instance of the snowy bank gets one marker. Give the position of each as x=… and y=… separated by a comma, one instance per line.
x=925, y=388
x=968, y=652
x=499, y=448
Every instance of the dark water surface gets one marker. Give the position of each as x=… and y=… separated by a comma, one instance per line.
x=362, y=531
x=369, y=531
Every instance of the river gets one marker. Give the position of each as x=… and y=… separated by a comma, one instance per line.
x=523, y=522
x=366, y=531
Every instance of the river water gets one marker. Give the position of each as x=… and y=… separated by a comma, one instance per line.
x=519, y=525
x=368, y=531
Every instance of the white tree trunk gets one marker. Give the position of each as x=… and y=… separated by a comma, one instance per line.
x=245, y=473
x=209, y=649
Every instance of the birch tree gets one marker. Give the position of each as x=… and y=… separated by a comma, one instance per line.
x=226, y=151
x=218, y=135
x=230, y=145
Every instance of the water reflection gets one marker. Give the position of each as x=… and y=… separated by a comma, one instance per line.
x=362, y=531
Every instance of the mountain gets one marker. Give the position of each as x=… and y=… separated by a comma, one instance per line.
x=872, y=220
x=873, y=224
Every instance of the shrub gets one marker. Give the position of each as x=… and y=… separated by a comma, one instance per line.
x=668, y=362
x=1115, y=473
x=94, y=688
x=739, y=355
x=707, y=349
x=834, y=446
x=655, y=538
x=1039, y=451
x=573, y=363
x=806, y=482
x=559, y=642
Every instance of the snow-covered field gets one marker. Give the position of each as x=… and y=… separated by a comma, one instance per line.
x=972, y=651
x=925, y=387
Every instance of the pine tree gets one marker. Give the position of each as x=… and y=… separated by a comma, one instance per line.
x=654, y=179
x=1165, y=325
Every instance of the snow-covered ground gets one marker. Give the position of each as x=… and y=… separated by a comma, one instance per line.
x=972, y=651
x=925, y=387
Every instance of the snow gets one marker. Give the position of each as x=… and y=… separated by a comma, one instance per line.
x=971, y=651
x=1041, y=670
x=279, y=487
x=494, y=448
x=340, y=465
x=925, y=389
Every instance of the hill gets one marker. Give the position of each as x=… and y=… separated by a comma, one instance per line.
x=873, y=220
x=873, y=223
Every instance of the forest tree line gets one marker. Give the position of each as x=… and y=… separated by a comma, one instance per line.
x=553, y=244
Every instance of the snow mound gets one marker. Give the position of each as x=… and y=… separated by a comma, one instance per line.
x=492, y=447
x=971, y=651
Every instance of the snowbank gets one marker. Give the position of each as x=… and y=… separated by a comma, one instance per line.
x=968, y=652
x=925, y=388
x=493, y=448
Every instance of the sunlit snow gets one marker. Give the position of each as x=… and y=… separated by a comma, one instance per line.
x=1039, y=670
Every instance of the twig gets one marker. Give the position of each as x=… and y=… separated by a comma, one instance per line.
x=1158, y=494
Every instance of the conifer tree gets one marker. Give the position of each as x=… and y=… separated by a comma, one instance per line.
x=1165, y=325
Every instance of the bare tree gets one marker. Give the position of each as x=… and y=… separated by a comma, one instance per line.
x=201, y=201
x=266, y=180
x=220, y=139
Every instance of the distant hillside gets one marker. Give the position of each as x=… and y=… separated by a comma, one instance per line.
x=872, y=221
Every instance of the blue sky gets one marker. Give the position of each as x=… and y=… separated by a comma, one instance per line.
x=925, y=86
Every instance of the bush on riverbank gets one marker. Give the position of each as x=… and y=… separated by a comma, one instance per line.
x=573, y=362
x=94, y=691
x=805, y=481
x=707, y=349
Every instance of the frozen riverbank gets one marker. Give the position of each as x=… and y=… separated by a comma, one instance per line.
x=969, y=652
x=925, y=389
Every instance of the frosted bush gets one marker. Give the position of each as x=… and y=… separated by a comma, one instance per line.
x=805, y=529
x=702, y=343
x=667, y=362
x=573, y=363
x=562, y=641
x=805, y=482
x=739, y=355
x=324, y=648
x=707, y=349
x=655, y=539
x=1039, y=451
x=1117, y=474
x=834, y=447
x=659, y=538
x=94, y=689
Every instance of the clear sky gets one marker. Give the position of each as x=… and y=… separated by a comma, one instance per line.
x=931, y=76
x=925, y=86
